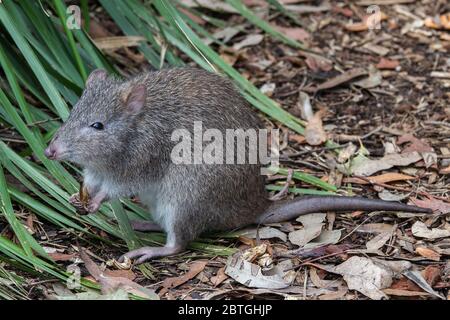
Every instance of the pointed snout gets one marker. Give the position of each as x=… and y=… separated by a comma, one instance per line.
x=53, y=151
x=50, y=152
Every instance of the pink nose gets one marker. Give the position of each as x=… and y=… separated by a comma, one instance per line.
x=50, y=152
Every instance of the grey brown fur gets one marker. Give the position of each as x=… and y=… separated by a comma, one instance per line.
x=131, y=156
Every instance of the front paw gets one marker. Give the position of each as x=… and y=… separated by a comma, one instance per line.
x=92, y=207
x=75, y=199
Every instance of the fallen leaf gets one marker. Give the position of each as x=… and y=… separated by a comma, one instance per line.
x=251, y=275
x=373, y=80
x=219, y=277
x=194, y=269
x=420, y=229
x=339, y=294
x=225, y=34
x=248, y=41
x=304, y=104
x=377, y=242
x=314, y=133
x=346, y=153
x=109, y=284
x=253, y=253
x=376, y=228
x=364, y=166
x=417, y=278
x=439, y=22
x=417, y=145
x=387, y=195
x=365, y=24
x=264, y=233
x=129, y=274
x=377, y=49
x=382, y=178
x=298, y=34
x=311, y=219
x=428, y=253
x=300, y=8
x=326, y=237
x=56, y=256
x=387, y=64
x=405, y=293
x=342, y=78
x=434, y=204
x=305, y=235
x=365, y=276
x=318, y=64
x=344, y=11
x=397, y=267
x=405, y=284
x=431, y=274
x=214, y=5
x=114, y=43
x=118, y=294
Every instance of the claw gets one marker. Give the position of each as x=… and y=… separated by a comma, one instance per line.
x=147, y=253
x=92, y=207
x=75, y=199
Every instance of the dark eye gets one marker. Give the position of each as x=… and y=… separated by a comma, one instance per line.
x=97, y=125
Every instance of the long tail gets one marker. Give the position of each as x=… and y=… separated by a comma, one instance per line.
x=288, y=210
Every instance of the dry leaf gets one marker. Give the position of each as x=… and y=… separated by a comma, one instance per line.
x=253, y=253
x=214, y=5
x=252, y=276
x=428, y=253
x=342, y=78
x=338, y=295
x=194, y=269
x=311, y=219
x=364, y=166
x=387, y=195
x=114, y=43
x=373, y=80
x=377, y=242
x=318, y=64
x=431, y=274
x=365, y=24
x=304, y=104
x=420, y=229
x=417, y=278
x=415, y=144
x=314, y=133
x=382, y=178
x=434, y=204
x=298, y=34
x=441, y=22
x=405, y=293
x=110, y=284
x=376, y=228
x=305, y=235
x=56, y=256
x=264, y=233
x=129, y=274
x=387, y=64
x=219, y=277
x=326, y=237
x=365, y=276
x=248, y=41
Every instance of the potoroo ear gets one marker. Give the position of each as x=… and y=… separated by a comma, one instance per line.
x=134, y=98
x=96, y=76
